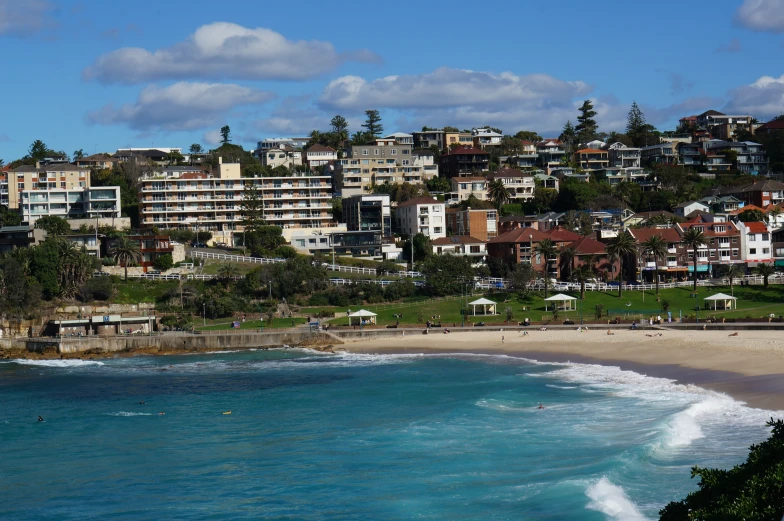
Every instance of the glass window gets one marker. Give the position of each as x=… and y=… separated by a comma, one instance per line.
x=752, y=251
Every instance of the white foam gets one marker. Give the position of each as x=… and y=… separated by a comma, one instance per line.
x=57, y=363
x=125, y=413
x=612, y=501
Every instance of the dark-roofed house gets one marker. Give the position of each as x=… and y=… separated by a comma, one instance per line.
x=463, y=245
x=761, y=193
x=318, y=155
x=464, y=161
x=12, y=237
x=770, y=127
x=97, y=161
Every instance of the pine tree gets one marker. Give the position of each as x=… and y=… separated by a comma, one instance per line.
x=586, y=127
x=568, y=137
x=373, y=123
x=635, y=121
x=252, y=207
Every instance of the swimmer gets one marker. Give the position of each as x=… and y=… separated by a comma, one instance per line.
x=161, y=413
x=226, y=412
x=40, y=418
x=141, y=402
x=540, y=406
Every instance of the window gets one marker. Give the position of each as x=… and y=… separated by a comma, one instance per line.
x=375, y=151
x=405, y=151
x=364, y=151
x=474, y=249
x=735, y=252
x=405, y=162
x=62, y=184
x=765, y=237
x=752, y=237
x=734, y=240
x=766, y=251
x=713, y=253
x=752, y=251
x=437, y=229
x=394, y=151
x=365, y=161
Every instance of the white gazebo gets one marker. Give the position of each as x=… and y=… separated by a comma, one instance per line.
x=568, y=302
x=727, y=301
x=488, y=306
x=364, y=316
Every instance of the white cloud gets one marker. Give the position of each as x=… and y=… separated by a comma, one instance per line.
x=763, y=99
x=761, y=15
x=223, y=50
x=22, y=17
x=182, y=106
x=212, y=137
x=446, y=87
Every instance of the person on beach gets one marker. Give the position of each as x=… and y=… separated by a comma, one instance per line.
x=610, y=332
x=734, y=334
x=502, y=339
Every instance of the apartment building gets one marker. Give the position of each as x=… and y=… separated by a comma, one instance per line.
x=755, y=241
x=317, y=156
x=285, y=155
x=188, y=198
x=461, y=245
x=384, y=161
x=551, y=154
x=464, y=161
x=622, y=156
x=486, y=137
x=4, y=187
x=526, y=158
x=278, y=142
x=519, y=245
x=674, y=265
x=80, y=203
x=458, y=139
x=659, y=153
x=160, y=156
x=428, y=138
x=424, y=215
x=401, y=138
x=368, y=212
x=723, y=243
x=761, y=193
x=481, y=224
x=751, y=157
x=58, y=176
x=97, y=161
x=519, y=184
x=592, y=159
x=464, y=187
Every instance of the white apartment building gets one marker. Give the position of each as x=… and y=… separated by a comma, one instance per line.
x=520, y=185
x=462, y=245
x=485, y=137
x=423, y=215
x=188, y=198
x=4, y=188
x=283, y=156
x=465, y=187
x=755, y=243
x=622, y=156
x=278, y=142
x=79, y=203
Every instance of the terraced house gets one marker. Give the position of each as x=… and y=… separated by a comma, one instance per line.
x=189, y=198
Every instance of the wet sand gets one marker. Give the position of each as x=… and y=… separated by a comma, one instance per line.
x=749, y=367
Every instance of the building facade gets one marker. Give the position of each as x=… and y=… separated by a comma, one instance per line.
x=481, y=224
x=367, y=212
x=464, y=161
x=519, y=184
x=423, y=215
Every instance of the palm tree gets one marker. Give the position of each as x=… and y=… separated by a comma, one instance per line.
x=733, y=272
x=125, y=252
x=582, y=274
x=656, y=247
x=226, y=272
x=74, y=268
x=568, y=253
x=766, y=270
x=547, y=250
x=609, y=261
x=693, y=238
x=623, y=245
x=498, y=193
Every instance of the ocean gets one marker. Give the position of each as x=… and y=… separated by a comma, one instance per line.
x=315, y=436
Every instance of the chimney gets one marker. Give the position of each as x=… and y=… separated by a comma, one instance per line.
x=220, y=160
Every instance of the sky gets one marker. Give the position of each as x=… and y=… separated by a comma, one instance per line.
x=97, y=75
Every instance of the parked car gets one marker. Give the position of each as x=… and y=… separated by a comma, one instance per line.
x=221, y=245
x=199, y=245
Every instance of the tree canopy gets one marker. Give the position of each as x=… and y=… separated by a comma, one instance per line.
x=586, y=128
x=373, y=123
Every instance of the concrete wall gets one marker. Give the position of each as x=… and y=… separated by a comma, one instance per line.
x=106, y=309
x=120, y=223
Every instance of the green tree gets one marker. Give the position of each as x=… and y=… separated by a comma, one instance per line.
x=582, y=274
x=252, y=207
x=568, y=137
x=520, y=277
x=528, y=135
x=373, y=123
x=337, y=209
x=38, y=150
x=498, y=193
x=163, y=262
x=339, y=131
x=622, y=247
x=75, y=267
x=751, y=216
x=586, y=126
x=764, y=270
x=263, y=240
x=9, y=217
x=126, y=252
x=227, y=271
x=511, y=145
x=195, y=148
x=733, y=272
x=422, y=248
x=547, y=250
x=693, y=238
x=750, y=491
x=655, y=246
x=567, y=255
x=225, y=133
x=445, y=274
x=20, y=294
x=78, y=154
x=438, y=184
x=53, y=225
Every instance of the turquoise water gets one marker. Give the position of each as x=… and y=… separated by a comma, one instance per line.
x=341, y=437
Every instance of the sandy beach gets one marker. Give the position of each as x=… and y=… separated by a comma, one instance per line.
x=748, y=367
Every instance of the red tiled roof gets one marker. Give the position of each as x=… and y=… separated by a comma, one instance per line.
x=591, y=151
x=526, y=142
x=756, y=227
x=589, y=246
x=519, y=235
x=776, y=124
x=748, y=207
x=419, y=200
x=561, y=235
x=193, y=175
x=457, y=239
x=643, y=234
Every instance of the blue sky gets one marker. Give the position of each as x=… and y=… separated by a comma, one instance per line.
x=97, y=75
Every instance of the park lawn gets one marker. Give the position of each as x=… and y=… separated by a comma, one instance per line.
x=211, y=267
x=254, y=324
x=135, y=291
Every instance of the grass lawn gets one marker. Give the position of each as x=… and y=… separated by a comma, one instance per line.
x=135, y=291
x=253, y=324
x=753, y=302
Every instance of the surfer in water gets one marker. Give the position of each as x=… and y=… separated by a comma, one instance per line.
x=40, y=418
x=141, y=402
x=540, y=406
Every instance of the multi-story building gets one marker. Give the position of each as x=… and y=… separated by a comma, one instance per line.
x=151, y=247
x=458, y=139
x=90, y=242
x=479, y=223
x=12, y=237
x=519, y=245
x=551, y=154
x=722, y=125
x=283, y=156
x=761, y=193
x=401, y=138
x=486, y=137
x=428, y=138
x=592, y=159
x=421, y=215
x=527, y=157
x=755, y=243
x=751, y=158
x=97, y=161
x=188, y=198
x=462, y=245
x=548, y=181
x=80, y=203
x=277, y=142
x=368, y=212
x=519, y=184
x=464, y=161
x=690, y=154
x=622, y=156
x=4, y=187
x=723, y=245
x=317, y=156
x=42, y=178
x=158, y=156
x=384, y=161
x=464, y=187
x=674, y=265
x=659, y=153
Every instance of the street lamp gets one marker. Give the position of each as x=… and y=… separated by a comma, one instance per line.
x=204, y=312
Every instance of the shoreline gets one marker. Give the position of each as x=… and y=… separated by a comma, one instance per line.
x=748, y=367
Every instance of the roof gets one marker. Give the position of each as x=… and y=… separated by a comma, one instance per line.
x=319, y=148
x=399, y=134
x=520, y=235
x=776, y=124
x=756, y=227
x=465, y=150
x=560, y=235
x=721, y=296
x=481, y=302
x=469, y=178
x=712, y=113
x=507, y=172
x=419, y=200
x=422, y=152
x=689, y=203
x=561, y=297
x=362, y=313
x=643, y=234
x=457, y=239
x=591, y=151
x=589, y=246
x=655, y=213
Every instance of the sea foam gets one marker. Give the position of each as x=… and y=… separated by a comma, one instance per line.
x=612, y=501
x=57, y=363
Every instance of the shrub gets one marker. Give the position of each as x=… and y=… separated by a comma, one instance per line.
x=285, y=252
x=318, y=299
x=96, y=288
x=163, y=262
x=108, y=261
x=509, y=314
x=598, y=311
